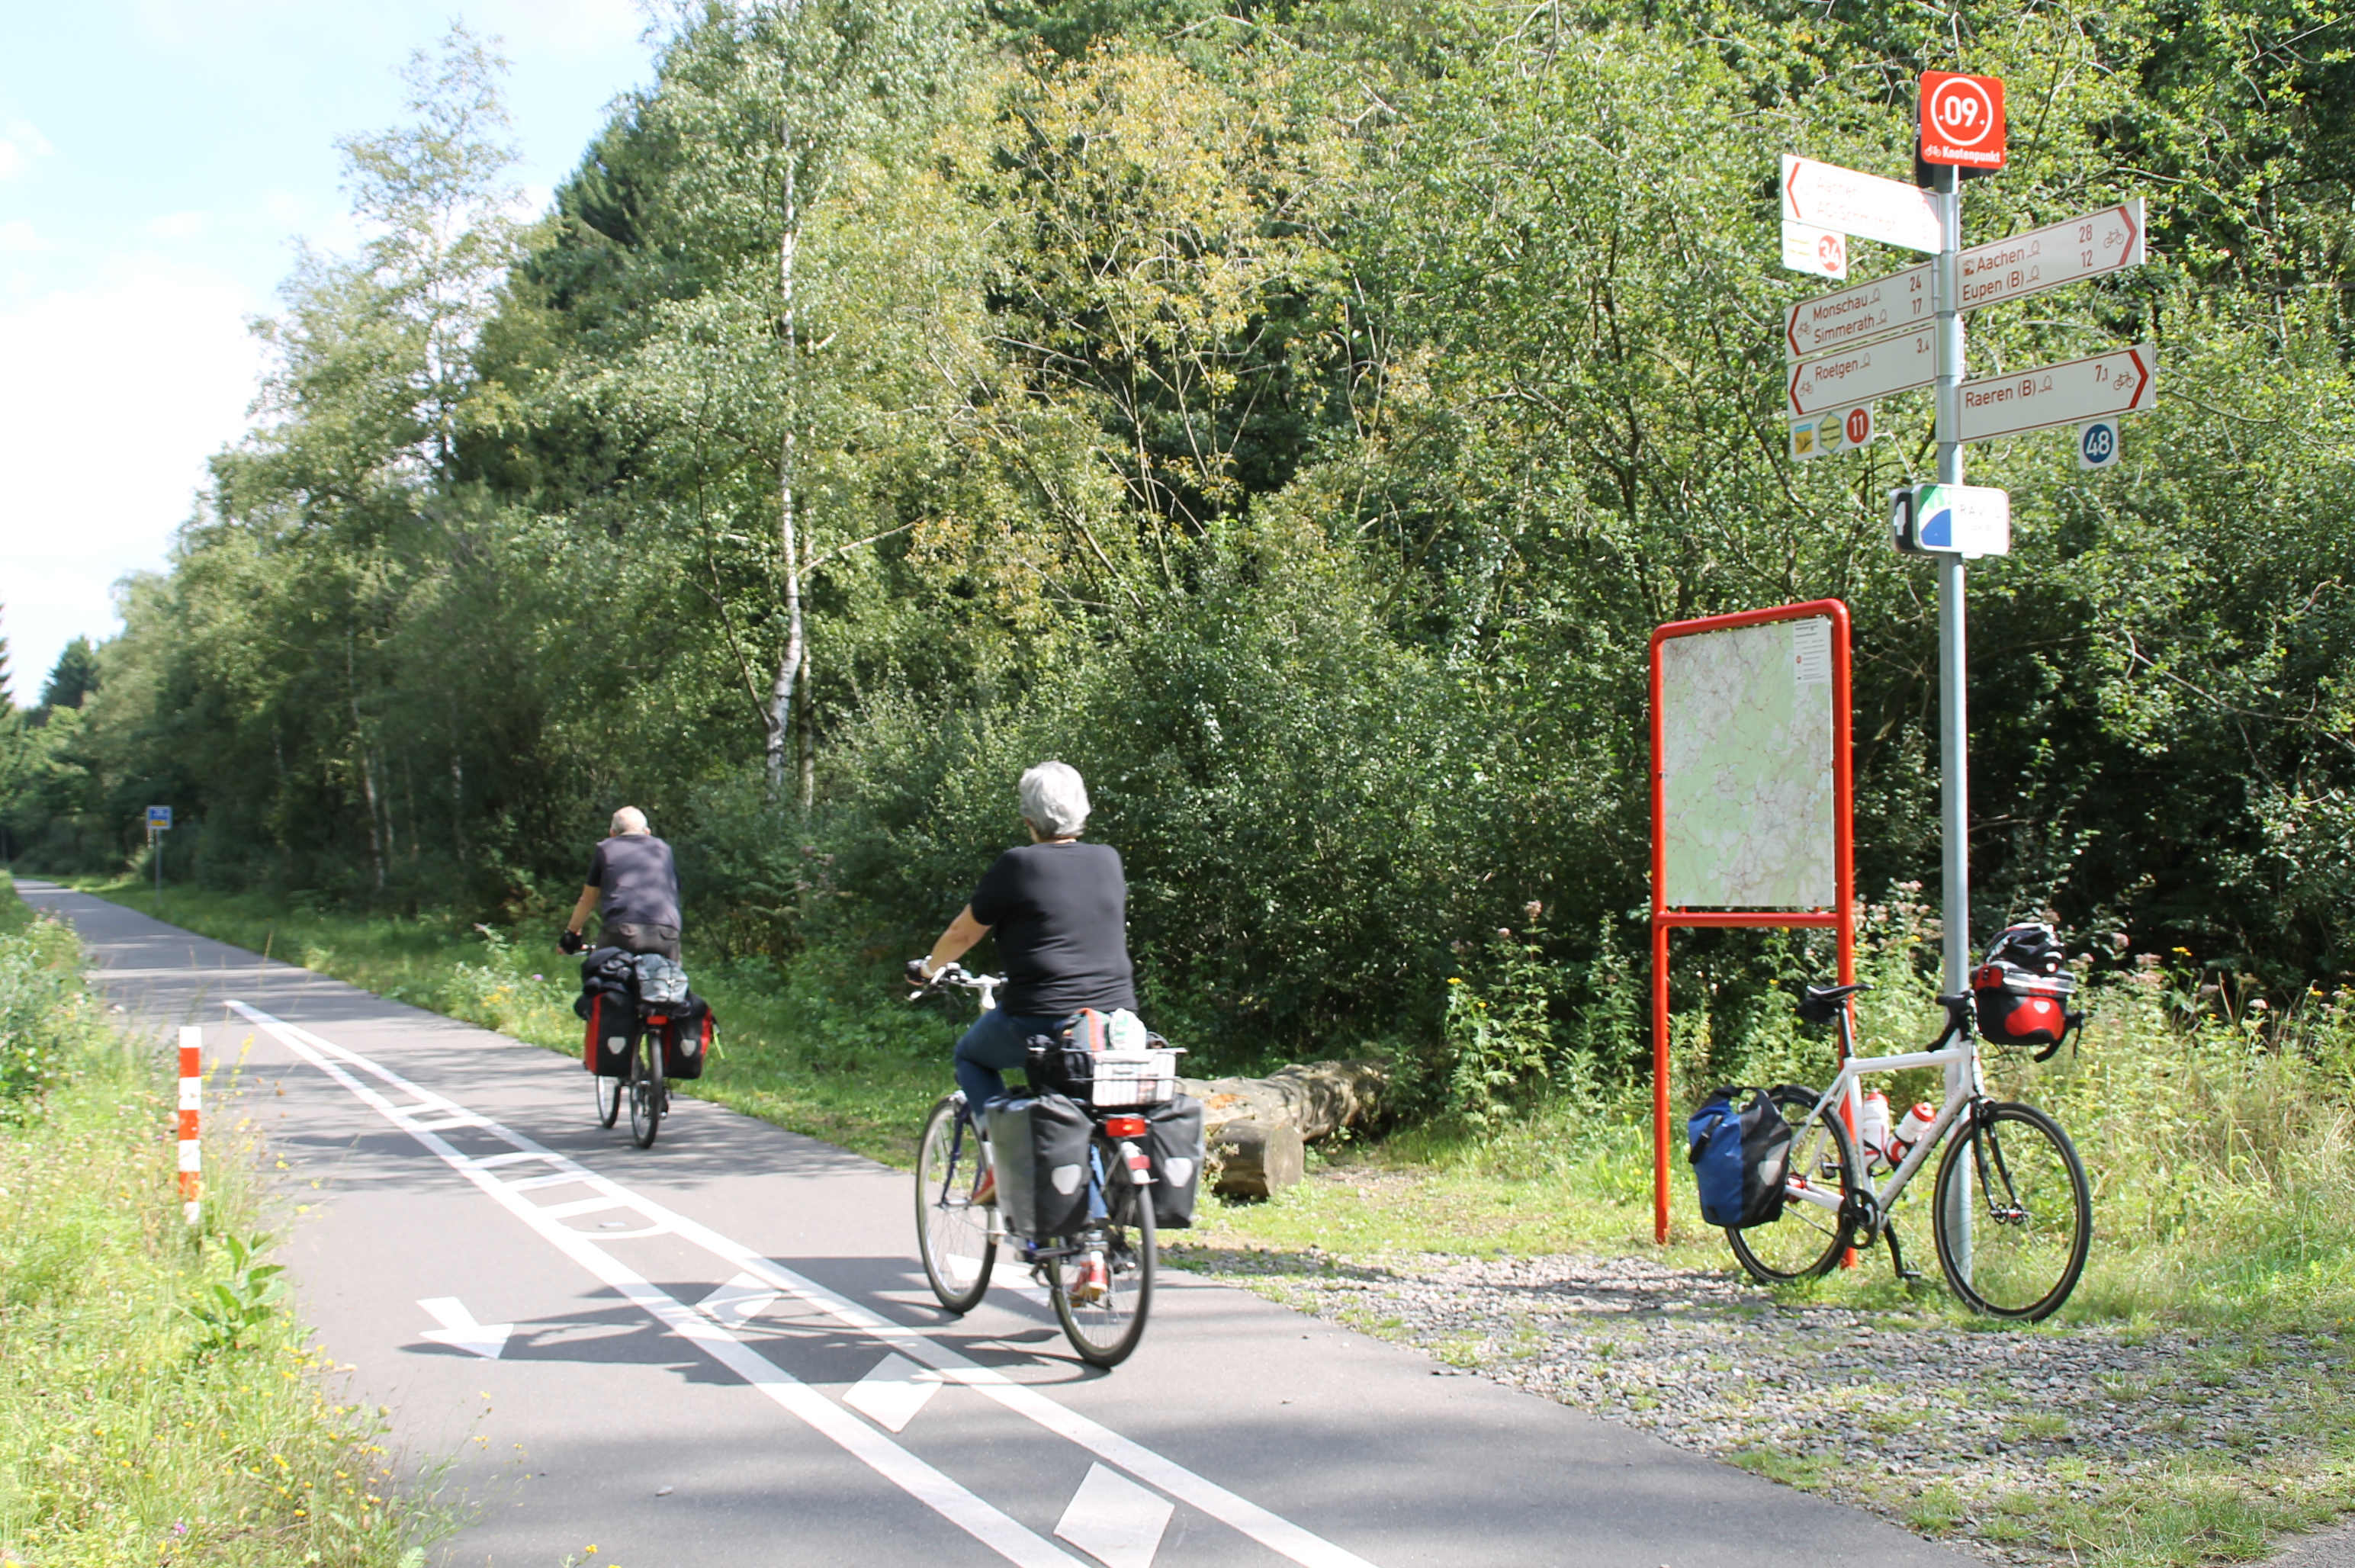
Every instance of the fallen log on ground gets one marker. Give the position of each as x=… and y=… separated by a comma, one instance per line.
x=1255, y=1128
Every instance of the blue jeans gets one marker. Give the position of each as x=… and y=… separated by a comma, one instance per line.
x=998, y=1040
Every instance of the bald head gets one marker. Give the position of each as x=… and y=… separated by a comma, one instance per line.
x=629, y=819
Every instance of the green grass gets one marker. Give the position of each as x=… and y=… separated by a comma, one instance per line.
x=2222, y=1152
x=134, y=1430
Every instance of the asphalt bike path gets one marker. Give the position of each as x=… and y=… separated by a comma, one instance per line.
x=721, y=1351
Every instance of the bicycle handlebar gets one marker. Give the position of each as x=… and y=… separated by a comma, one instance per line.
x=955, y=976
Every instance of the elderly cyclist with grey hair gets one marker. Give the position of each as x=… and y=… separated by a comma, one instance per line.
x=634, y=886
x=1061, y=912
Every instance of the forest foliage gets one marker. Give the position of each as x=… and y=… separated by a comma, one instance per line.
x=1297, y=417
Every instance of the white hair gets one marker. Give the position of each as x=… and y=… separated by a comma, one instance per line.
x=629, y=819
x=1055, y=800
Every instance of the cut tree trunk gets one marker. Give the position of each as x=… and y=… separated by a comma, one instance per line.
x=1254, y=1128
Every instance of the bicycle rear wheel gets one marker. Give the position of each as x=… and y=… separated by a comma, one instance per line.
x=2031, y=1214
x=1808, y=1239
x=646, y=1089
x=1104, y=1317
x=611, y=1092
x=952, y=1230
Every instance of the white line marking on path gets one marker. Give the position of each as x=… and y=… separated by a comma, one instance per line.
x=1114, y=1521
x=1270, y=1530
x=893, y=1392
x=738, y=1301
x=460, y=1330
x=984, y=1523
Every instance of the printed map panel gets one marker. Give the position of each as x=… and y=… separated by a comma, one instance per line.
x=1746, y=751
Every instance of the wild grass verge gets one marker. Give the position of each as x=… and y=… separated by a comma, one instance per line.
x=158, y=1402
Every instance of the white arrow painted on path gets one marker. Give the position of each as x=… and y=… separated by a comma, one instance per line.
x=460, y=1331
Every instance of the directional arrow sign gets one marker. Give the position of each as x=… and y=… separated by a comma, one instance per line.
x=1859, y=374
x=1829, y=196
x=2084, y=247
x=460, y=1331
x=2106, y=241
x=2125, y=381
x=1858, y=313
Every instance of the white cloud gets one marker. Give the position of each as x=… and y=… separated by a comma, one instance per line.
x=175, y=226
x=118, y=390
x=21, y=144
x=18, y=238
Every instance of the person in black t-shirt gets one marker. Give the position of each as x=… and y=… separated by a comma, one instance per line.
x=634, y=886
x=1061, y=912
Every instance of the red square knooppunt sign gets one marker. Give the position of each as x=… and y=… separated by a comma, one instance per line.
x=1962, y=120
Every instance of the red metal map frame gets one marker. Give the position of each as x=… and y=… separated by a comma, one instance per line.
x=1840, y=918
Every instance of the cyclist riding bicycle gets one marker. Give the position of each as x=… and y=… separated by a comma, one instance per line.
x=1060, y=909
x=634, y=886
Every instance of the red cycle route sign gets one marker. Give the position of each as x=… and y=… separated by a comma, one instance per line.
x=1962, y=120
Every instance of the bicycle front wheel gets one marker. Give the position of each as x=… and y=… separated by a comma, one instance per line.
x=2015, y=1243
x=1103, y=1290
x=645, y=1090
x=951, y=1230
x=1809, y=1238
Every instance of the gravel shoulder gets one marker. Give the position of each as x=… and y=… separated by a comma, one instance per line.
x=2102, y=1443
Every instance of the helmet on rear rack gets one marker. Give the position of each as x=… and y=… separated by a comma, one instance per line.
x=2020, y=995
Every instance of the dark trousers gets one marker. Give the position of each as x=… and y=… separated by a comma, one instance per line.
x=631, y=938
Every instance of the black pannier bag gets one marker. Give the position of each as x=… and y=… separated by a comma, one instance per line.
x=1038, y=1146
x=1175, y=1125
x=1741, y=1155
x=2020, y=995
x=1059, y=1065
x=687, y=1031
x=613, y=1021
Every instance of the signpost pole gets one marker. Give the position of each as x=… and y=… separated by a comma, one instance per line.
x=1953, y=753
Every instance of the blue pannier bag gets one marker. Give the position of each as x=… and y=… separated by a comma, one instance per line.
x=1741, y=1155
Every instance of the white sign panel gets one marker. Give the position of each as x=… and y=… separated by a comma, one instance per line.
x=1826, y=196
x=1746, y=767
x=2085, y=247
x=2098, y=443
x=1861, y=313
x=1859, y=374
x=2125, y=381
x=1962, y=519
x=1820, y=251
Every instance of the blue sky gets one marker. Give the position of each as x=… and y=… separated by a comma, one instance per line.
x=158, y=158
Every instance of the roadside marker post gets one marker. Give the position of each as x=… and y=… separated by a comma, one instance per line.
x=192, y=1089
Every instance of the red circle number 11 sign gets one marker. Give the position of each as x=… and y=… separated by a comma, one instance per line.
x=1962, y=120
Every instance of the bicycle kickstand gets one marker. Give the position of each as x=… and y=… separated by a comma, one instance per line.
x=1897, y=1254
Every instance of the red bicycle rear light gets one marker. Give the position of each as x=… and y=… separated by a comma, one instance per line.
x=1124, y=1127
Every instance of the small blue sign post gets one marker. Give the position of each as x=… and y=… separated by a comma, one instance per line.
x=159, y=820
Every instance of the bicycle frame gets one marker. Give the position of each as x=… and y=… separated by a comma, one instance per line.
x=1969, y=1086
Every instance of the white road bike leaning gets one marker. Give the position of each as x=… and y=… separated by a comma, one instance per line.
x=2011, y=1213
x=1099, y=1281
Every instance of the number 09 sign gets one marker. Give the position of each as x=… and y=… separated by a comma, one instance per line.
x=1962, y=120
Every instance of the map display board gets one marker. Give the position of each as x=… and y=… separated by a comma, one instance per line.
x=1747, y=782
x=1753, y=808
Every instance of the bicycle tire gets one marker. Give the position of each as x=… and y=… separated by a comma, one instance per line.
x=2032, y=1217
x=952, y=1230
x=1105, y=1331
x=1807, y=1241
x=646, y=1089
x=611, y=1092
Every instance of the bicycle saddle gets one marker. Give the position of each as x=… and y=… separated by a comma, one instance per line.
x=1821, y=1004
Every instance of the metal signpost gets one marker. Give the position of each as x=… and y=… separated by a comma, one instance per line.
x=159, y=822
x=1905, y=330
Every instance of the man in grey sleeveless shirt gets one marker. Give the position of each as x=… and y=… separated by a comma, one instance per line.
x=633, y=887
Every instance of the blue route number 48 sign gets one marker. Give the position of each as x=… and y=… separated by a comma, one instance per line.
x=2097, y=443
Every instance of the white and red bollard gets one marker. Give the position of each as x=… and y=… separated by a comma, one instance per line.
x=192, y=1087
